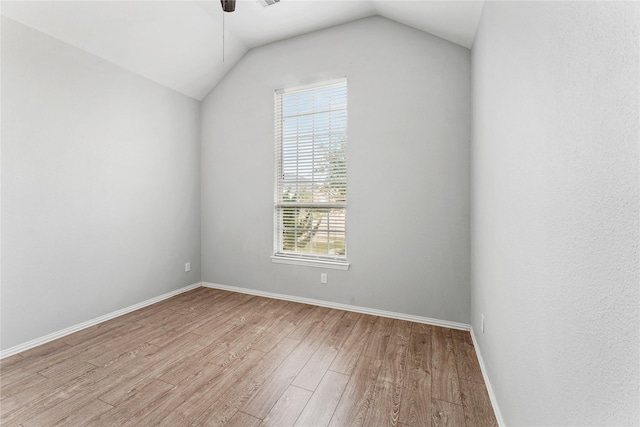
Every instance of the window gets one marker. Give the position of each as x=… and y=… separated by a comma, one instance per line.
x=311, y=175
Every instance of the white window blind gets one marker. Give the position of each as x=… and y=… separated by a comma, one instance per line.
x=311, y=172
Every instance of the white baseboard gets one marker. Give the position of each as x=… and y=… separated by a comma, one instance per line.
x=346, y=307
x=75, y=328
x=492, y=396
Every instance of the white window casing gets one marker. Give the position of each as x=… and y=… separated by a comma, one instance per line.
x=311, y=175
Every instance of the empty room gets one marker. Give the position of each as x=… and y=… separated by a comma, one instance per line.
x=320, y=213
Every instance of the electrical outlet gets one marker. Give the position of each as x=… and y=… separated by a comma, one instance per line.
x=323, y=277
x=482, y=322
x=187, y=267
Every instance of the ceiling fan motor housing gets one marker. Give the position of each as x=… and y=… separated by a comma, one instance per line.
x=228, y=5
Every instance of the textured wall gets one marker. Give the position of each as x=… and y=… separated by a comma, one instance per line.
x=408, y=182
x=100, y=187
x=555, y=208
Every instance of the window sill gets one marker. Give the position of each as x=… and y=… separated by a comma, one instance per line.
x=334, y=265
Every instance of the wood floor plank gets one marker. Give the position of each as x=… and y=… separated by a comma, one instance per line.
x=379, y=338
x=415, y=409
x=300, y=312
x=9, y=363
x=269, y=392
x=168, y=327
x=125, y=340
x=323, y=402
x=192, y=361
x=248, y=340
x=249, y=309
x=222, y=314
x=64, y=352
x=69, y=409
x=66, y=370
x=223, y=409
x=419, y=356
x=63, y=409
x=286, y=410
x=202, y=305
x=313, y=371
x=167, y=305
x=209, y=357
x=187, y=402
x=466, y=358
x=283, y=328
x=462, y=336
x=314, y=318
x=239, y=341
x=289, y=315
x=444, y=375
x=240, y=419
x=194, y=396
x=342, y=329
x=24, y=381
x=96, y=331
x=477, y=405
x=125, y=353
x=89, y=348
x=26, y=401
x=331, y=320
x=135, y=406
x=33, y=401
x=173, y=332
x=33, y=356
x=446, y=414
x=91, y=409
x=391, y=382
x=357, y=399
x=181, y=302
x=154, y=367
x=353, y=346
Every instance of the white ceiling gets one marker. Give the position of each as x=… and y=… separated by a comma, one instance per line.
x=179, y=43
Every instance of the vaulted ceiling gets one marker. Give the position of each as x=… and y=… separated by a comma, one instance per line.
x=180, y=44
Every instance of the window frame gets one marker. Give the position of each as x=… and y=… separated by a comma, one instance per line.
x=279, y=255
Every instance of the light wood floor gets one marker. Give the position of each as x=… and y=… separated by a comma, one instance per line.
x=211, y=357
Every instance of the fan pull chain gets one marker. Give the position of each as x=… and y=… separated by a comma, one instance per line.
x=223, y=35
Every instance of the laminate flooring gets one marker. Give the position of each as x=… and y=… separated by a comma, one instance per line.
x=209, y=357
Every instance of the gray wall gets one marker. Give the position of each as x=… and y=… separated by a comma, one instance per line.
x=100, y=187
x=408, y=160
x=555, y=208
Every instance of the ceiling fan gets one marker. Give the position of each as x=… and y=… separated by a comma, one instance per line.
x=230, y=5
